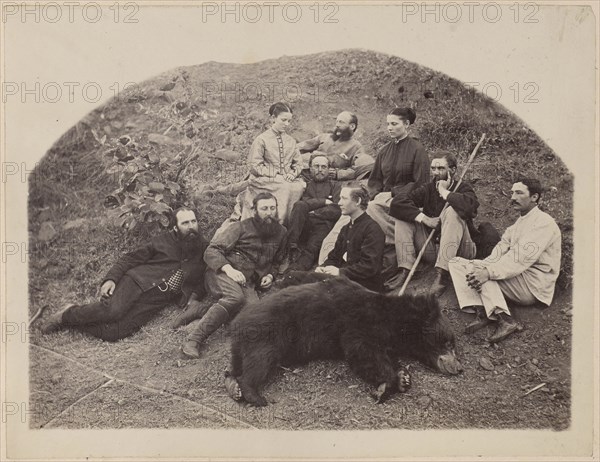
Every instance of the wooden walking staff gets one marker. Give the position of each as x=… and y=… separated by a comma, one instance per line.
x=422, y=251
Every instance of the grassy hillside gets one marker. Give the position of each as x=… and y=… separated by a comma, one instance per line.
x=199, y=133
x=218, y=106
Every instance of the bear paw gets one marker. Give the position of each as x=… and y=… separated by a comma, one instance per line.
x=232, y=387
x=404, y=380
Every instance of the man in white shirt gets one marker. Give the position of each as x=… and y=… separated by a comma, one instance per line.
x=523, y=267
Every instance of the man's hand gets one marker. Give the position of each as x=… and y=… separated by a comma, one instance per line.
x=234, y=274
x=328, y=202
x=442, y=186
x=107, y=289
x=333, y=270
x=333, y=173
x=266, y=282
x=477, y=278
x=289, y=177
x=431, y=222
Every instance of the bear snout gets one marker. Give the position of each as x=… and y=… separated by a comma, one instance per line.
x=449, y=364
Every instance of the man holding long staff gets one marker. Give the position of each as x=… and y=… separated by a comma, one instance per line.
x=443, y=204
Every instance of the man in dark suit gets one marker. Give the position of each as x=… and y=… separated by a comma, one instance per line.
x=358, y=251
x=313, y=216
x=420, y=211
x=168, y=269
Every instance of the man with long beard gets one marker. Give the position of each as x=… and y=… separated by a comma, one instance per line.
x=168, y=268
x=422, y=210
x=347, y=158
x=239, y=259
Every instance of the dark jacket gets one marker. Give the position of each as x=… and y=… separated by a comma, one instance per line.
x=152, y=264
x=241, y=246
x=315, y=195
x=397, y=165
x=363, y=241
x=406, y=207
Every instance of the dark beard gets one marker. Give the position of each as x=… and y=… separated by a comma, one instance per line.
x=321, y=179
x=190, y=241
x=266, y=227
x=191, y=235
x=344, y=134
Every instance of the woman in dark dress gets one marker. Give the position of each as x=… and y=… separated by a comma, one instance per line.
x=401, y=165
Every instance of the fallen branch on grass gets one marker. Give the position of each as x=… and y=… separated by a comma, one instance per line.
x=37, y=314
x=543, y=384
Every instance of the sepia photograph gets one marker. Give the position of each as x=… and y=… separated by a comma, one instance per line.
x=299, y=230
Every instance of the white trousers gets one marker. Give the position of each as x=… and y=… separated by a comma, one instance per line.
x=493, y=293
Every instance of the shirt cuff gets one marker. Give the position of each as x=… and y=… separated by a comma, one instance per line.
x=494, y=275
x=419, y=217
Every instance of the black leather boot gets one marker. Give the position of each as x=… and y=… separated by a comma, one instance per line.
x=214, y=318
x=442, y=278
x=396, y=281
x=506, y=326
x=481, y=320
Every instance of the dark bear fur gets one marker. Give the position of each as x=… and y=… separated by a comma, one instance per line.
x=336, y=318
x=296, y=277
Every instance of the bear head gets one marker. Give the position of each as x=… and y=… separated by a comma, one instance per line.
x=437, y=342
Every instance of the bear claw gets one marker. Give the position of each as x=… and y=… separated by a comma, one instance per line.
x=233, y=388
x=404, y=380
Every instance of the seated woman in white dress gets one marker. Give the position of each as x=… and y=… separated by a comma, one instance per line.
x=275, y=164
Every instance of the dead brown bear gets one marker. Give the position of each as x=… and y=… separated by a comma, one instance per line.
x=336, y=318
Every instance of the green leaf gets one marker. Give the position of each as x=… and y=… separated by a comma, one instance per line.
x=114, y=168
x=133, y=224
x=173, y=186
x=160, y=207
x=156, y=186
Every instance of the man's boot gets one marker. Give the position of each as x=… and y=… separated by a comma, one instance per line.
x=290, y=257
x=506, y=326
x=194, y=311
x=55, y=322
x=396, y=281
x=214, y=318
x=481, y=320
x=442, y=278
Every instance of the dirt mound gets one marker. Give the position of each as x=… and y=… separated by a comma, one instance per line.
x=198, y=122
x=217, y=107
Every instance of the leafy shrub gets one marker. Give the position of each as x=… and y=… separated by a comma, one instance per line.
x=148, y=181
